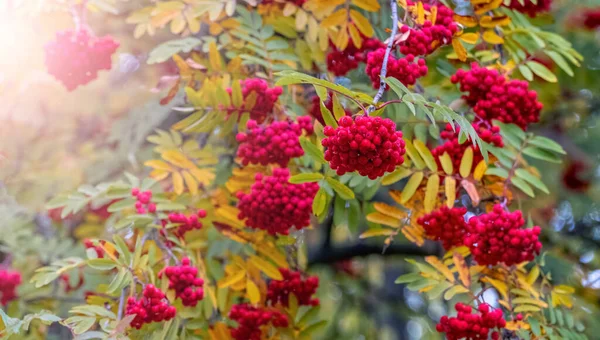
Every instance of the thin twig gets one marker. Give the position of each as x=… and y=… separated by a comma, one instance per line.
x=388, y=50
x=121, y=304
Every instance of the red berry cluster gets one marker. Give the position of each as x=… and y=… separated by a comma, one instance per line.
x=493, y=97
x=530, y=7
x=152, y=307
x=292, y=283
x=315, y=109
x=186, y=283
x=446, y=225
x=499, y=237
x=143, y=204
x=89, y=244
x=467, y=325
x=406, y=69
x=275, y=205
x=456, y=150
x=295, y=2
x=369, y=145
x=250, y=319
x=9, y=280
x=341, y=62
x=186, y=223
x=75, y=57
x=276, y=143
x=265, y=97
x=425, y=39
x=591, y=18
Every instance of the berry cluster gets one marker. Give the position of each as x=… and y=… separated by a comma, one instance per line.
x=499, y=237
x=369, y=145
x=186, y=223
x=143, y=204
x=529, y=7
x=406, y=69
x=276, y=143
x=446, y=225
x=292, y=283
x=591, y=18
x=315, y=109
x=265, y=97
x=493, y=97
x=275, y=205
x=89, y=244
x=250, y=319
x=9, y=280
x=186, y=283
x=75, y=57
x=341, y=62
x=456, y=150
x=425, y=39
x=298, y=3
x=467, y=325
x=152, y=307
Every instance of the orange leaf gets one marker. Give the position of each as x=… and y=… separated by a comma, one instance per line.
x=459, y=49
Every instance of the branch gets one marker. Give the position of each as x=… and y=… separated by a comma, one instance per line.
x=335, y=254
x=386, y=57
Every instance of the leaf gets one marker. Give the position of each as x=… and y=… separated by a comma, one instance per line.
x=560, y=61
x=338, y=110
x=305, y=178
x=466, y=163
x=408, y=278
x=252, y=291
x=446, y=163
x=307, y=333
x=531, y=179
x=547, y=144
x=499, y=285
x=178, y=183
x=526, y=72
x=389, y=210
x=345, y=192
x=453, y=291
x=491, y=37
x=122, y=205
x=327, y=116
x=459, y=49
x=542, y=71
x=319, y=202
x=376, y=232
x=426, y=155
x=480, y=169
x=377, y=217
x=393, y=177
x=462, y=268
x=411, y=186
x=450, y=191
x=367, y=5
x=414, y=155
x=431, y=193
x=502, y=173
x=527, y=308
x=362, y=23
x=437, y=264
x=420, y=13
x=232, y=279
x=312, y=150
x=166, y=50
x=266, y=267
x=101, y=264
x=469, y=38
x=523, y=186
x=293, y=77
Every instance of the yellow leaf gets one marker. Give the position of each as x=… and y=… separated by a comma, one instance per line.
x=376, y=232
x=466, y=163
x=395, y=176
x=252, y=291
x=319, y=202
x=178, y=159
x=396, y=196
x=178, y=183
x=389, y=210
x=463, y=270
x=356, y=38
x=431, y=193
x=340, y=38
x=232, y=279
x=367, y=5
x=488, y=6
x=301, y=20
x=273, y=253
x=450, y=191
x=433, y=14
x=335, y=19
x=499, y=285
x=420, y=13
x=533, y=275
x=362, y=23
x=489, y=22
x=527, y=308
x=453, y=291
x=178, y=24
x=469, y=38
x=219, y=331
x=531, y=301
x=377, y=217
x=465, y=20
x=446, y=163
x=413, y=154
x=203, y=176
x=480, y=170
x=237, y=98
x=411, y=186
x=190, y=182
x=564, y=289
x=491, y=37
x=289, y=9
x=266, y=267
x=437, y=264
x=459, y=49
x=158, y=164
x=230, y=214
x=426, y=155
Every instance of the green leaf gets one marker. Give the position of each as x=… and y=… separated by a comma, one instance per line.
x=535, y=326
x=544, y=155
x=503, y=173
x=118, y=281
x=293, y=77
x=305, y=178
x=122, y=205
x=319, y=202
x=450, y=293
x=312, y=150
x=408, y=278
x=542, y=71
x=547, y=144
x=166, y=50
x=560, y=61
x=307, y=333
x=327, y=116
x=123, y=250
x=523, y=186
x=393, y=177
x=398, y=88
x=101, y=264
x=526, y=72
x=426, y=155
x=170, y=206
x=533, y=180
x=309, y=316
x=338, y=110
x=342, y=190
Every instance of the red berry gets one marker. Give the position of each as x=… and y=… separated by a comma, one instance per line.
x=9, y=281
x=446, y=225
x=152, y=307
x=251, y=319
x=265, y=97
x=529, y=7
x=315, y=109
x=341, y=62
x=186, y=283
x=467, y=325
x=407, y=70
x=292, y=283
